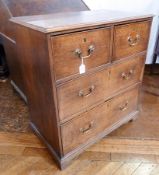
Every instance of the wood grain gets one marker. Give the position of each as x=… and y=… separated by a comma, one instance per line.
x=19, y=139
x=76, y=20
x=71, y=116
x=127, y=146
x=36, y=160
x=127, y=168
x=122, y=47
x=70, y=101
x=107, y=115
x=67, y=63
x=124, y=74
x=37, y=82
x=105, y=82
x=145, y=169
x=110, y=168
x=34, y=7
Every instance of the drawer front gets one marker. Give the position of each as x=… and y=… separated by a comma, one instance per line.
x=126, y=73
x=68, y=50
x=123, y=105
x=130, y=39
x=104, y=116
x=81, y=93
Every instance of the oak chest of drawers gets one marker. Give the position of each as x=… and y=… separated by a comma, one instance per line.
x=70, y=110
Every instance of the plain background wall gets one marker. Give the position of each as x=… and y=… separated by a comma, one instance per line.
x=135, y=6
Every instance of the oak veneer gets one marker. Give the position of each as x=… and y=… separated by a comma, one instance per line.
x=71, y=103
x=89, y=125
x=126, y=37
x=64, y=47
x=71, y=111
x=127, y=73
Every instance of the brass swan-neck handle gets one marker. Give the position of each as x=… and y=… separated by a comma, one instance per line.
x=78, y=52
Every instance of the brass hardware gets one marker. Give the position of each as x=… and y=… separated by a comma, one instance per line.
x=133, y=41
x=88, y=128
x=127, y=76
x=78, y=52
x=124, y=107
x=90, y=90
x=85, y=40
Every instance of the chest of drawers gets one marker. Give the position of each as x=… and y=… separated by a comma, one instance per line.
x=71, y=111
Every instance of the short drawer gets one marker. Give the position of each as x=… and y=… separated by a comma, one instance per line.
x=126, y=73
x=79, y=94
x=131, y=39
x=68, y=50
x=88, y=125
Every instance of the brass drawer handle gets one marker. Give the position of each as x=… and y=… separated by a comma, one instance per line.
x=90, y=90
x=133, y=41
x=127, y=76
x=124, y=107
x=88, y=128
x=78, y=52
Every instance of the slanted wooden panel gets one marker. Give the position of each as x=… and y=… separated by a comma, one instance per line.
x=36, y=7
x=5, y=26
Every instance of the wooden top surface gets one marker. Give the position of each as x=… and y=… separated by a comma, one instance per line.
x=73, y=20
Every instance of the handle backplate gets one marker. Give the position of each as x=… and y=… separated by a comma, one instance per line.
x=87, y=128
x=128, y=75
x=78, y=52
x=124, y=107
x=86, y=94
x=133, y=41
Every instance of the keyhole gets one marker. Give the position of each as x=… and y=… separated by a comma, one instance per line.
x=85, y=40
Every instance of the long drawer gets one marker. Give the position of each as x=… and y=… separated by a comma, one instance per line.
x=130, y=39
x=68, y=48
x=88, y=125
x=79, y=94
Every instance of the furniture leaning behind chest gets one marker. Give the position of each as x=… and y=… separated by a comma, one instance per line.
x=71, y=111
